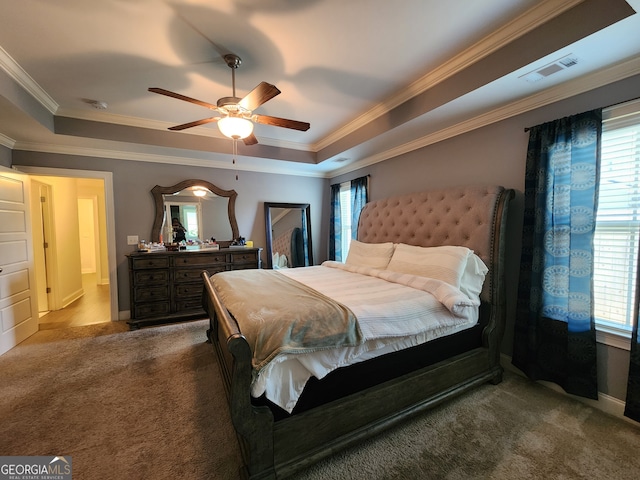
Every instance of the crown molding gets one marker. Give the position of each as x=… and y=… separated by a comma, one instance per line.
x=560, y=92
x=6, y=141
x=566, y=90
x=19, y=75
x=221, y=161
x=528, y=21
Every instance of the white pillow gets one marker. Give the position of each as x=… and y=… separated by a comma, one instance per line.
x=457, y=266
x=444, y=263
x=373, y=255
x=473, y=276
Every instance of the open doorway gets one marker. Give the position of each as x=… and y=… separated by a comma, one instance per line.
x=71, y=212
x=75, y=267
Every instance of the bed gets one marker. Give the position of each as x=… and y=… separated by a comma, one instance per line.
x=376, y=391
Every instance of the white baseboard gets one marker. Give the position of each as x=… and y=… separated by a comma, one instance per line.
x=124, y=315
x=69, y=299
x=606, y=403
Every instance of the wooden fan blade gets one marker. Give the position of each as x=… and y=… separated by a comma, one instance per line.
x=250, y=140
x=281, y=122
x=259, y=95
x=171, y=94
x=195, y=124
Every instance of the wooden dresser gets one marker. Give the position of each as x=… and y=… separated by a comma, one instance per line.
x=167, y=287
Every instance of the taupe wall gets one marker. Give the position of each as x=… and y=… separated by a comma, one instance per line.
x=5, y=157
x=134, y=207
x=496, y=154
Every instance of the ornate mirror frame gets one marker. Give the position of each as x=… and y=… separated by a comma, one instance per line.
x=158, y=193
x=305, y=207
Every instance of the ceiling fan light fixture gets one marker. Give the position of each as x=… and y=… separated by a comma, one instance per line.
x=235, y=127
x=199, y=192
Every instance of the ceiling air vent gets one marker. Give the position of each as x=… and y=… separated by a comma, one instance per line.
x=554, y=67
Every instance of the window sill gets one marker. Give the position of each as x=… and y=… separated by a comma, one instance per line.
x=613, y=337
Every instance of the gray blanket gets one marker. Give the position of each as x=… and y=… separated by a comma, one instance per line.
x=277, y=314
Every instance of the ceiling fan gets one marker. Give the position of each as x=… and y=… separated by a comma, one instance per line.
x=237, y=117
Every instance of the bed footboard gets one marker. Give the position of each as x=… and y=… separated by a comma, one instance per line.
x=253, y=425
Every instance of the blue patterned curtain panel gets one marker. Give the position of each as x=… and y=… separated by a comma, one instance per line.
x=554, y=335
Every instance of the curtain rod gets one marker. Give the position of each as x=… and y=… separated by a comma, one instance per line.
x=368, y=175
x=526, y=129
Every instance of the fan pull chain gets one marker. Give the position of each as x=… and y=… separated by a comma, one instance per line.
x=235, y=154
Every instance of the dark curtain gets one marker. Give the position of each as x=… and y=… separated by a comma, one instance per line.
x=359, y=197
x=632, y=405
x=554, y=337
x=335, y=225
x=305, y=237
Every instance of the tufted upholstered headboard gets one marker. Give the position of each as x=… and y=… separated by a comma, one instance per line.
x=464, y=216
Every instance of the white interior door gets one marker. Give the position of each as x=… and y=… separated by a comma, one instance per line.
x=40, y=230
x=18, y=297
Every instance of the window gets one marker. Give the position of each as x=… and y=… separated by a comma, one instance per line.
x=345, y=217
x=347, y=201
x=617, y=234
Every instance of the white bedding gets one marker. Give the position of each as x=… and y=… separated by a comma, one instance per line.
x=394, y=311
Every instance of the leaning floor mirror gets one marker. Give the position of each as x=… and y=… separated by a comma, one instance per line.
x=288, y=235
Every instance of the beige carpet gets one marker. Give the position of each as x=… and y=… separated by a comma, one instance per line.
x=148, y=404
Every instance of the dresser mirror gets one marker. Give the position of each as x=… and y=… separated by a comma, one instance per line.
x=204, y=210
x=288, y=235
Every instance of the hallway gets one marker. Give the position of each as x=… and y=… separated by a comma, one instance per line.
x=93, y=307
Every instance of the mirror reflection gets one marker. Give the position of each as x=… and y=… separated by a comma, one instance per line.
x=188, y=212
x=288, y=235
x=194, y=210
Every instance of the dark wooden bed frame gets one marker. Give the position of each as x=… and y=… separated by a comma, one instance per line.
x=275, y=444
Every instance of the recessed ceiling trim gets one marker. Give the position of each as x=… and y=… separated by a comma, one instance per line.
x=555, y=94
x=224, y=162
x=18, y=74
x=203, y=131
x=581, y=21
x=98, y=116
x=561, y=92
x=528, y=21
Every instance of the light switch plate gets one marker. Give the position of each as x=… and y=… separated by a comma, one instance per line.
x=132, y=239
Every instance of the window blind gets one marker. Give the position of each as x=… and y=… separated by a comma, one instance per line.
x=617, y=233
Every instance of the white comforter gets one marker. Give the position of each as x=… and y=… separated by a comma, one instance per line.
x=394, y=311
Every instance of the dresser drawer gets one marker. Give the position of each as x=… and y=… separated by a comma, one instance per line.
x=149, y=310
x=149, y=261
x=189, y=290
x=244, y=266
x=192, y=304
x=151, y=294
x=181, y=275
x=196, y=259
x=151, y=277
x=244, y=257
